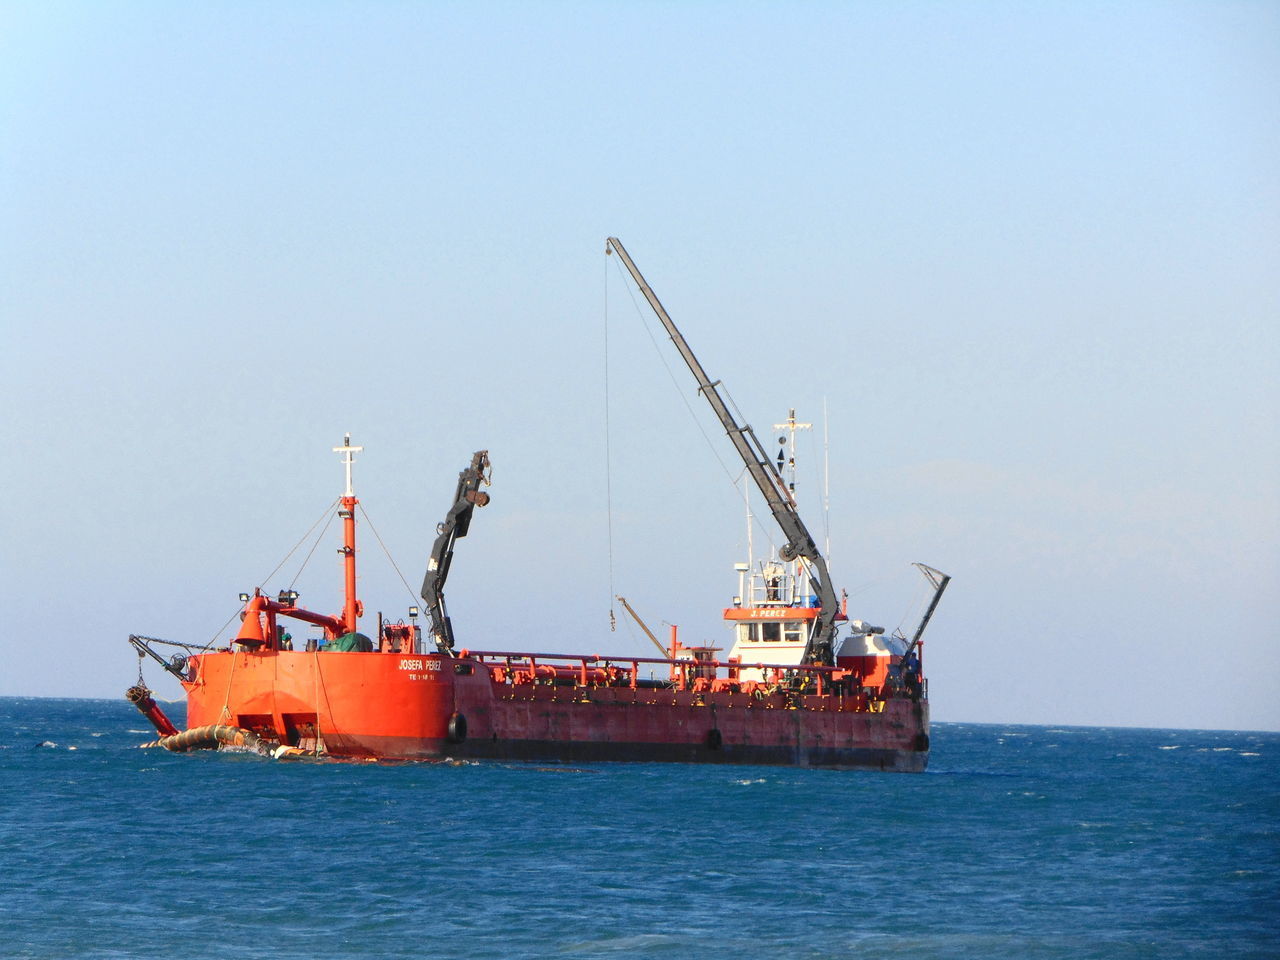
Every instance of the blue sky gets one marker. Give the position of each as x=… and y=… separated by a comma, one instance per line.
x=1026, y=255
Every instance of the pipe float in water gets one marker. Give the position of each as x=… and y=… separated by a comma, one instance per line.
x=217, y=735
x=201, y=738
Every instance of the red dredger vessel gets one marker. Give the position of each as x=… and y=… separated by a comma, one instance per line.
x=791, y=691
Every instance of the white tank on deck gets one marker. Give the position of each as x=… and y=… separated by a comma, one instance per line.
x=868, y=641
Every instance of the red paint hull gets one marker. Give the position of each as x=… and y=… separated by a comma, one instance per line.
x=391, y=706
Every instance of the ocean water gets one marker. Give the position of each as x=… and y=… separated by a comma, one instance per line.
x=1020, y=841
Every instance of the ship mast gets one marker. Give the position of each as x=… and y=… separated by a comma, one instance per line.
x=258, y=628
x=787, y=463
x=818, y=649
x=347, y=511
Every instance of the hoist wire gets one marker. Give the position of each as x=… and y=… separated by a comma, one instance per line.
x=608, y=451
x=919, y=598
x=648, y=329
x=215, y=637
x=643, y=315
x=390, y=558
x=307, y=559
x=327, y=513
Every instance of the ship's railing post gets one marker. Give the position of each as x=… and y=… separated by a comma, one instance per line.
x=825, y=681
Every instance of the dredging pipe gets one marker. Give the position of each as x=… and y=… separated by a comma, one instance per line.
x=141, y=698
x=216, y=735
x=201, y=738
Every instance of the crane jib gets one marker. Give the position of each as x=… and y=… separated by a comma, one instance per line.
x=457, y=521
x=799, y=542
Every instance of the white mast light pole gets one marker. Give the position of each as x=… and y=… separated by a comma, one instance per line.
x=348, y=458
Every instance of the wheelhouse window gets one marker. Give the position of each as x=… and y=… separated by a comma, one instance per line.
x=790, y=631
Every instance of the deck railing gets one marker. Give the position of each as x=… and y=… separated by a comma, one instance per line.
x=597, y=669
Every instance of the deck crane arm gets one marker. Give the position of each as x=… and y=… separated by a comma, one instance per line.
x=818, y=649
x=938, y=580
x=907, y=674
x=455, y=525
x=645, y=627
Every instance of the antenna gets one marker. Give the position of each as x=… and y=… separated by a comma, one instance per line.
x=348, y=458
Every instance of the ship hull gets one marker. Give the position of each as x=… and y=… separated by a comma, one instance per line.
x=425, y=707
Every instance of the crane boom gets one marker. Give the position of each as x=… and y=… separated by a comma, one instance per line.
x=938, y=580
x=799, y=542
x=645, y=627
x=455, y=525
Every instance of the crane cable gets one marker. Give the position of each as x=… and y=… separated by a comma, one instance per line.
x=307, y=559
x=608, y=451
x=390, y=558
x=327, y=513
x=644, y=322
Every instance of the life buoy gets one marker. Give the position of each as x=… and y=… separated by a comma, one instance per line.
x=457, y=731
x=714, y=740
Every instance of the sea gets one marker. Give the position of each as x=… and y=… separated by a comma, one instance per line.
x=1019, y=841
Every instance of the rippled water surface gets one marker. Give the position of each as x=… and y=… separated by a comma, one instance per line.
x=1021, y=842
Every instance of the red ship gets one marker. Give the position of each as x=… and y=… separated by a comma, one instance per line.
x=793, y=690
